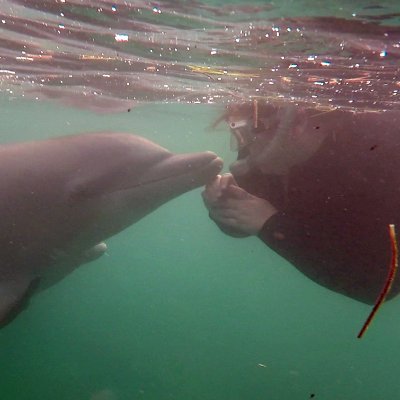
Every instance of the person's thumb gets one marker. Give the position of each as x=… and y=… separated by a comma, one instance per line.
x=227, y=180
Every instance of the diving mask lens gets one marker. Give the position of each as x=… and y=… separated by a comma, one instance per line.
x=242, y=134
x=238, y=124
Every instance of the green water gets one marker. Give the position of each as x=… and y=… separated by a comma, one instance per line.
x=177, y=310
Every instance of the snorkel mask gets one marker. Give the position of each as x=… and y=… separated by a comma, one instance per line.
x=280, y=140
x=241, y=133
x=246, y=131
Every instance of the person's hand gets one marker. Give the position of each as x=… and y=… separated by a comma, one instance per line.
x=235, y=211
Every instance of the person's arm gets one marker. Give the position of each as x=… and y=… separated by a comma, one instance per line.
x=288, y=238
x=239, y=214
x=311, y=248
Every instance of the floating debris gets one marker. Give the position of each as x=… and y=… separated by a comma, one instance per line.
x=389, y=281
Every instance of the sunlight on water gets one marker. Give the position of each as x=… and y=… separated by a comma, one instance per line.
x=108, y=55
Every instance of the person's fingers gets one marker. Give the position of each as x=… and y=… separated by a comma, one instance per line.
x=214, y=183
x=209, y=199
x=219, y=190
x=228, y=202
x=224, y=212
x=212, y=191
x=236, y=192
x=227, y=180
x=224, y=220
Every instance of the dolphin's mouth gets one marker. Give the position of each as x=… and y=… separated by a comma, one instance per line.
x=192, y=170
x=212, y=169
x=197, y=173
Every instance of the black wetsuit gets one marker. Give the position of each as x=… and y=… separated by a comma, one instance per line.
x=335, y=209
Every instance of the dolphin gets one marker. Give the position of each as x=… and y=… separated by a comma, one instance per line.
x=61, y=198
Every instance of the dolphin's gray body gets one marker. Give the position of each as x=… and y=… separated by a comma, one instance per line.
x=60, y=198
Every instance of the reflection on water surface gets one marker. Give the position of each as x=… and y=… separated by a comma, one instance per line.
x=108, y=55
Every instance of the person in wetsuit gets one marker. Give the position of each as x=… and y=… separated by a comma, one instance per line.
x=319, y=188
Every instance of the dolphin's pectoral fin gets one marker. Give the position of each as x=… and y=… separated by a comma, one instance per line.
x=14, y=297
x=65, y=263
x=72, y=260
x=93, y=253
